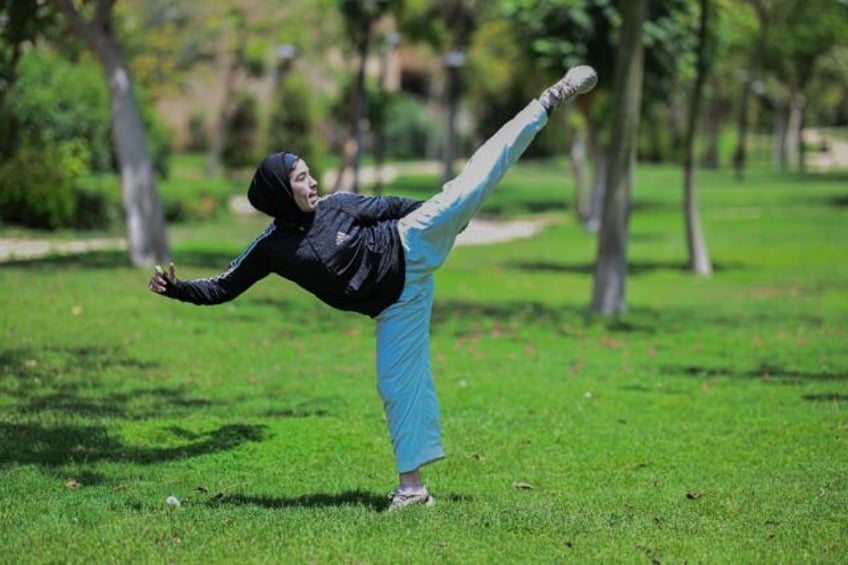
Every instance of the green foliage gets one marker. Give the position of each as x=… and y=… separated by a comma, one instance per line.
x=198, y=133
x=54, y=101
x=37, y=186
x=708, y=425
x=293, y=122
x=407, y=122
x=189, y=196
x=242, y=142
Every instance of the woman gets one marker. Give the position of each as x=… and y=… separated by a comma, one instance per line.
x=376, y=256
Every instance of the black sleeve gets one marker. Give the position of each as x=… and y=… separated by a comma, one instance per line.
x=378, y=208
x=250, y=267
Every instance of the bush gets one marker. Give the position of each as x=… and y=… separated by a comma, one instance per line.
x=292, y=123
x=98, y=203
x=37, y=187
x=55, y=101
x=202, y=206
x=40, y=188
x=241, y=147
x=406, y=127
x=198, y=134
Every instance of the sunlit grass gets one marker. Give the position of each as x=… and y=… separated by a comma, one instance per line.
x=709, y=424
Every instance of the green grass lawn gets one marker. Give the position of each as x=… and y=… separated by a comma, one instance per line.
x=708, y=425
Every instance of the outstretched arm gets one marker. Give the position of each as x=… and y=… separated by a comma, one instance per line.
x=241, y=275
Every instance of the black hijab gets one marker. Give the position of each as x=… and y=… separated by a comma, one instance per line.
x=270, y=191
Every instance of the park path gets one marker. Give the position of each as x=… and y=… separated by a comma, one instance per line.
x=478, y=232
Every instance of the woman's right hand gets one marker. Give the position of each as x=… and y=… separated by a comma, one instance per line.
x=160, y=280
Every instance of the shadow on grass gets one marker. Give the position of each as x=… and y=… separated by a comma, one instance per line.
x=53, y=446
x=215, y=261
x=635, y=268
x=826, y=397
x=472, y=316
x=371, y=501
x=348, y=498
x=764, y=371
x=839, y=201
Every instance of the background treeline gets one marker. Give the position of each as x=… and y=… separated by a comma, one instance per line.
x=342, y=81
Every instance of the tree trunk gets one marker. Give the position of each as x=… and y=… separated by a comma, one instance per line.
x=360, y=118
x=699, y=260
x=599, y=188
x=609, y=295
x=582, y=196
x=793, y=127
x=715, y=118
x=228, y=96
x=453, y=88
x=740, y=155
x=778, y=141
x=598, y=155
x=146, y=234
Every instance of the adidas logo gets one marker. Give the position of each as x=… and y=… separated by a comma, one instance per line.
x=341, y=237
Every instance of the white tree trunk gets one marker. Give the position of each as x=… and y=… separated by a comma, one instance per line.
x=146, y=233
x=582, y=195
x=793, y=127
x=699, y=258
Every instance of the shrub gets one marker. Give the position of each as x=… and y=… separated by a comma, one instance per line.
x=55, y=101
x=242, y=142
x=37, y=187
x=406, y=127
x=292, y=122
x=198, y=134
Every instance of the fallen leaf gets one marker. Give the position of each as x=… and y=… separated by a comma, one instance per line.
x=76, y=310
x=694, y=494
x=73, y=485
x=522, y=486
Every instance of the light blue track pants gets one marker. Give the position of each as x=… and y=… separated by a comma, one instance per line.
x=404, y=377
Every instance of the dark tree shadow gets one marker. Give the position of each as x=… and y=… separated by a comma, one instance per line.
x=53, y=446
x=635, y=268
x=66, y=384
x=839, y=201
x=764, y=371
x=215, y=261
x=826, y=397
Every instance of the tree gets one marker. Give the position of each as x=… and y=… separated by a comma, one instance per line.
x=448, y=26
x=237, y=60
x=801, y=35
x=21, y=22
x=699, y=259
x=555, y=35
x=146, y=234
x=750, y=77
x=359, y=16
x=609, y=295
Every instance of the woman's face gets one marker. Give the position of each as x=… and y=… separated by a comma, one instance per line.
x=304, y=187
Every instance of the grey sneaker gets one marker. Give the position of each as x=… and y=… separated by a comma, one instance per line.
x=578, y=80
x=405, y=497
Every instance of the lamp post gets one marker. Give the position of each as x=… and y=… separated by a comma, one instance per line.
x=285, y=55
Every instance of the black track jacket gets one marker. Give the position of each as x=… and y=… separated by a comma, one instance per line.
x=348, y=254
